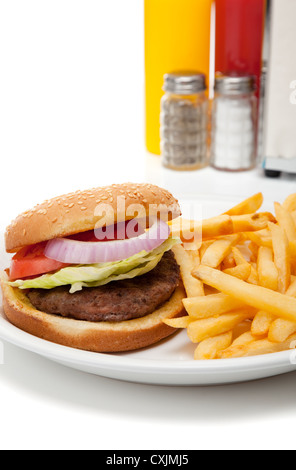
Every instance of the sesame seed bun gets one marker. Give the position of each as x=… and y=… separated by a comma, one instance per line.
x=91, y=336
x=81, y=211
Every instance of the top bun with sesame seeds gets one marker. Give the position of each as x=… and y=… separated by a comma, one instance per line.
x=81, y=211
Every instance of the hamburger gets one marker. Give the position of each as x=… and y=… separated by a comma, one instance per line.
x=95, y=269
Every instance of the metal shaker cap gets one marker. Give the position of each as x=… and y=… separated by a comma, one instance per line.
x=235, y=84
x=184, y=83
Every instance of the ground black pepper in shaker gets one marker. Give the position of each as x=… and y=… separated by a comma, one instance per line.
x=184, y=121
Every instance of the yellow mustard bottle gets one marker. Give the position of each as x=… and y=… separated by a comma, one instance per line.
x=177, y=37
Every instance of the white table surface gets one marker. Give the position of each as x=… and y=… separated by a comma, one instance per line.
x=71, y=117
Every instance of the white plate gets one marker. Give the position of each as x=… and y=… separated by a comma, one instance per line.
x=167, y=363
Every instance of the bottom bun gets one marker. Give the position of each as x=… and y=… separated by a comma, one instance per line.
x=98, y=337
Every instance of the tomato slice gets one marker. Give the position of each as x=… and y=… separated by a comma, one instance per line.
x=31, y=261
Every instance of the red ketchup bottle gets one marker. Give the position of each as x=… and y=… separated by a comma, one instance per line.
x=239, y=37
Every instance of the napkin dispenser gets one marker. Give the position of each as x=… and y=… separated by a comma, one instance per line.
x=279, y=125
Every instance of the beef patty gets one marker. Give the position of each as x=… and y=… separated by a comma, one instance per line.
x=116, y=301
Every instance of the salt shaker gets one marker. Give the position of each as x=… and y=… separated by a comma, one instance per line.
x=234, y=128
x=184, y=121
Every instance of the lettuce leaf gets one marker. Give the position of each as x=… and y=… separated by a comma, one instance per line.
x=94, y=275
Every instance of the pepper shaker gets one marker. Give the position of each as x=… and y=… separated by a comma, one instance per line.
x=184, y=121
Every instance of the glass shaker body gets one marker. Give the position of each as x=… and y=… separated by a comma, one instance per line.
x=184, y=130
x=234, y=129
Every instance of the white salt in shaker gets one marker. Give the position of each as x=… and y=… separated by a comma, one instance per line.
x=234, y=129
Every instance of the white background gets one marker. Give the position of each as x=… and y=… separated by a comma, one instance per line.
x=71, y=117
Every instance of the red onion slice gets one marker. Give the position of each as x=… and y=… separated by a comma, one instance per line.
x=70, y=251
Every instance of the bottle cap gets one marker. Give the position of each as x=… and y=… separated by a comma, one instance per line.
x=184, y=83
x=234, y=84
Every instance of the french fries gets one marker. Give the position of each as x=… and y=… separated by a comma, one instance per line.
x=180, y=322
x=238, y=256
x=267, y=271
x=292, y=248
x=255, y=348
x=258, y=297
x=280, y=330
x=217, y=226
x=202, y=329
x=210, y=305
x=211, y=347
x=241, y=271
x=285, y=220
x=193, y=232
x=216, y=252
x=281, y=256
x=290, y=203
x=251, y=222
x=240, y=280
x=193, y=286
x=243, y=339
x=292, y=289
x=260, y=238
x=261, y=323
x=248, y=206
